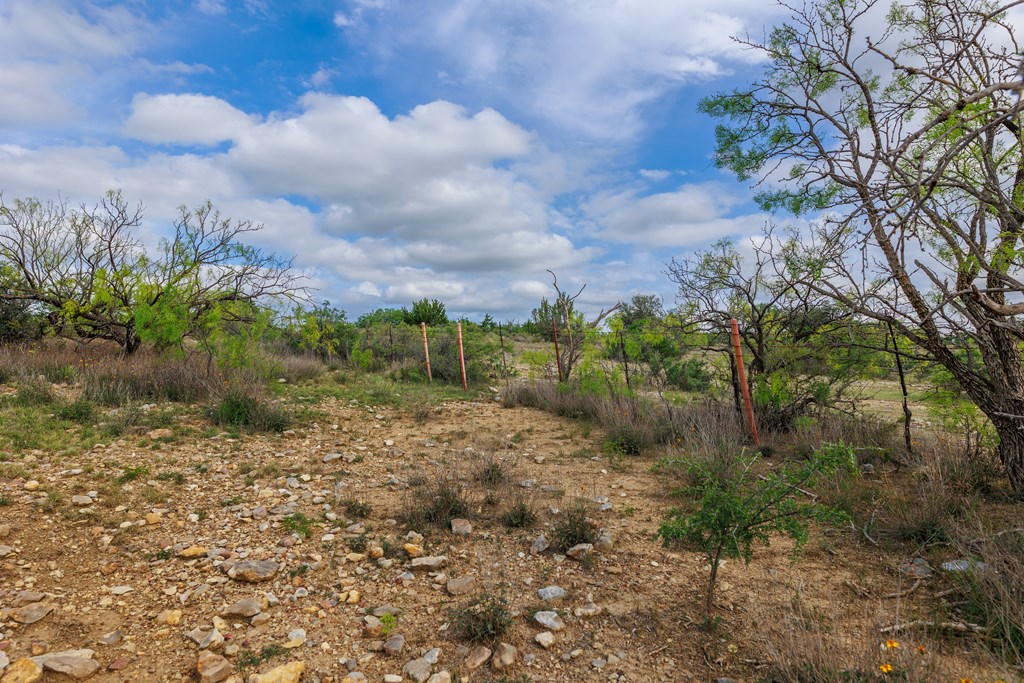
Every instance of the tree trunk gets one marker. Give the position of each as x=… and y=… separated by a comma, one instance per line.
x=1011, y=449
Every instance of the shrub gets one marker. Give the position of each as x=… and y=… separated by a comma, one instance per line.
x=491, y=472
x=437, y=503
x=689, y=375
x=519, y=516
x=483, y=619
x=240, y=409
x=575, y=527
x=77, y=411
x=743, y=507
x=356, y=508
x=298, y=523
x=34, y=394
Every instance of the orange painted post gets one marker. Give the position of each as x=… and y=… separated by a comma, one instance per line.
x=742, y=372
x=426, y=351
x=558, y=355
x=462, y=358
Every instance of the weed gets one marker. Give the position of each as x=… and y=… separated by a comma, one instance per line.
x=298, y=523
x=483, y=619
x=77, y=411
x=519, y=516
x=240, y=409
x=388, y=623
x=162, y=554
x=176, y=477
x=358, y=544
x=153, y=495
x=4, y=501
x=491, y=472
x=356, y=508
x=34, y=394
x=437, y=503
x=231, y=500
x=575, y=527
x=133, y=473
x=248, y=659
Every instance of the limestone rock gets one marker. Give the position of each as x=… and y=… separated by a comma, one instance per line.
x=462, y=585
x=417, y=669
x=429, y=562
x=287, y=673
x=504, y=657
x=212, y=668
x=76, y=664
x=549, y=620
x=30, y=614
x=253, y=571
x=477, y=657
x=23, y=670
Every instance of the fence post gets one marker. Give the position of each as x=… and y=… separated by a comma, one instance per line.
x=426, y=351
x=504, y=365
x=462, y=357
x=742, y=372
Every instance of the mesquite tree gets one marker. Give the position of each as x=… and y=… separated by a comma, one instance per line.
x=899, y=125
x=88, y=270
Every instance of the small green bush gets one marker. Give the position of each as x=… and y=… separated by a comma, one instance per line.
x=575, y=527
x=740, y=506
x=437, y=503
x=34, y=394
x=519, y=516
x=77, y=411
x=240, y=409
x=484, y=619
x=298, y=523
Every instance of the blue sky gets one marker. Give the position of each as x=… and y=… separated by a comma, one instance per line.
x=454, y=149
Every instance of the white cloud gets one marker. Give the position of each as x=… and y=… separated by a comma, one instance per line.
x=696, y=213
x=588, y=67
x=654, y=174
x=55, y=59
x=212, y=7
x=32, y=94
x=185, y=119
x=321, y=77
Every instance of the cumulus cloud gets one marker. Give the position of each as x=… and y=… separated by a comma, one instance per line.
x=185, y=119
x=440, y=201
x=589, y=67
x=54, y=58
x=694, y=214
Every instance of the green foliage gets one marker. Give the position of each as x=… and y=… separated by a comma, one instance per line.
x=299, y=524
x=238, y=408
x=437, y=503
x=690, y=374
x=431, y=312
x=483, y=620
x=133, y=473
x=574, y=527
x=519, y=516
x=80, y=410
x=388, y=623
x=739, y=506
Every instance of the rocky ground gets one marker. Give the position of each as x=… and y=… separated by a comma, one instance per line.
x=280, y=558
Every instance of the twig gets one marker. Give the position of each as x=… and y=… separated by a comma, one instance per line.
x=656, y=651
x=947, y=592
x=903, y=593
x=867, y=525
x=809, y=494
x=859, y=590
x=956, y=626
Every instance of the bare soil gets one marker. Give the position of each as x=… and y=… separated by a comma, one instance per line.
x=650, y=597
